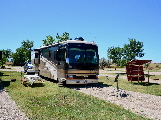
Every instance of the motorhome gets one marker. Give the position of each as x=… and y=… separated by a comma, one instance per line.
x=70, y=62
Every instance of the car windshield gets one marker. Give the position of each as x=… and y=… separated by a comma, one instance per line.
x=29, y=64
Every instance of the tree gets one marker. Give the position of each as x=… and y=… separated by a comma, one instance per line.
x=133, y=50
x=50, y=40
x=63, y=37
x=103, y=62
x=19, y=56
x=120, y=56
x=27, y=48
x=147, y=65
x=115, y=54
x=6, y=54
x=23, y=53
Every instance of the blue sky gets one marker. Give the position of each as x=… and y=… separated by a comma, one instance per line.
x=107, y=22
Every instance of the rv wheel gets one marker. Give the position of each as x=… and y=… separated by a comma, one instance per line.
x=64, y=82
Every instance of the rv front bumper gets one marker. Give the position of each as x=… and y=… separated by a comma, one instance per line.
x=84, y=81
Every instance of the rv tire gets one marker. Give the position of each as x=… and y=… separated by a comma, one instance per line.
x=64, y=82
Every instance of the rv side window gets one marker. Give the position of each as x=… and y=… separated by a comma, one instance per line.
x=49, y=54
x=36, y=55
x=60, y=55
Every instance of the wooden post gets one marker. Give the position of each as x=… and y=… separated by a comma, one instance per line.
x=138, y=74
x=148, y=76
x=117, y=86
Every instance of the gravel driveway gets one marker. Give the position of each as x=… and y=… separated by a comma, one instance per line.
x=8, y=108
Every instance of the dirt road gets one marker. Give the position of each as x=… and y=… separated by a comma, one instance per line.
x=10, y=68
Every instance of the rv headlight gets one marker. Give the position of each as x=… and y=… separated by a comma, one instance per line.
x=96, y=76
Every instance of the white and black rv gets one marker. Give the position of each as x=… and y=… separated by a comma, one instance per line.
x=72, y=61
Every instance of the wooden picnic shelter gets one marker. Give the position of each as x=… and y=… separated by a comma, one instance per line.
x=134, y=70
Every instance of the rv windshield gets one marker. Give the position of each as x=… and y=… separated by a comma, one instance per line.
x=83, y=54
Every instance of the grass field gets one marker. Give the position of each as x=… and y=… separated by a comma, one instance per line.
x=151, y=88
x=49, y=101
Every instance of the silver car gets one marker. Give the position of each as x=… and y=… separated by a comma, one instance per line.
x=28, y=66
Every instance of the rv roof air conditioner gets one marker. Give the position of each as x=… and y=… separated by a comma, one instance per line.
x=79, y=39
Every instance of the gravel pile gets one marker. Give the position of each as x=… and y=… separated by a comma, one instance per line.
x=142, y=104
x=9, y=109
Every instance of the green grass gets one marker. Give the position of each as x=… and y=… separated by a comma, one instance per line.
x=156, y=77
x=153, y=70
x=151, y=88
x=113, y=69
x=49, y=101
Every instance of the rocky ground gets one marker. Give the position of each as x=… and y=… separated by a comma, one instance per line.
x=8, y=108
